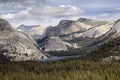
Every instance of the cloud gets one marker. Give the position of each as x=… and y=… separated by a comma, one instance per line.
x=15, y=6
x=43, y=13
x=51, y=11
x=118, y=8
x=60, y=11
x=104, y=15
x=22, y=1
x=11, y=16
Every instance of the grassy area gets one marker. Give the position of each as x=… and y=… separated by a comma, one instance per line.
x=73, y=69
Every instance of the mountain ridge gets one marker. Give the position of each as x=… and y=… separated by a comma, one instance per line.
x=77, y=37
x=16, y=45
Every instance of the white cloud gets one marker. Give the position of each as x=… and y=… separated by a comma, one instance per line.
x=45, y=12
x=7, y=16
x=104, y=15
x=49, y=11
x=41, y=14
x=20, y=15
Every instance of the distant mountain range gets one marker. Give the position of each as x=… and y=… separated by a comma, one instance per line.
x=74, y=34
x=81, y=37
x=67, y=33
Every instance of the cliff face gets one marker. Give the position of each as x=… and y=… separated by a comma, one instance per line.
x=17, y=46
x=36, y=31
x=55, y=44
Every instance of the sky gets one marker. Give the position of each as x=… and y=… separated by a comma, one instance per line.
x=50, y=12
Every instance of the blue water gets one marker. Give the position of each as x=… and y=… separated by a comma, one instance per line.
x=58, y=58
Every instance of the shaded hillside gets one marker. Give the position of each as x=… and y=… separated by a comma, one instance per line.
x=110, y=48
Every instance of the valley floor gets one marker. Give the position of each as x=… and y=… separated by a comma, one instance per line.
x=69, y=69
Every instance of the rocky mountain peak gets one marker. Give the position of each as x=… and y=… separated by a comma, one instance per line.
x=5, y=26
x=25, y=28
x=62, y=22
x=36, y=31
x=54, y=43
x=83, y=20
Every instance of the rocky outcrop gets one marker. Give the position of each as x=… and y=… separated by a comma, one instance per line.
x=114, y=32
x=94, y=32
x=17, y=46
x=115, y=29
x=54, y=44
x=36, y=31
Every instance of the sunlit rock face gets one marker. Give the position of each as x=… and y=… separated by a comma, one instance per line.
x=75, y=33
x=17, y=46
x=54, y=44
x=36, y=31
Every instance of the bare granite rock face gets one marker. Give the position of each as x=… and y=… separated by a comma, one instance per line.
x=81, y=27
x=91, y=22
x=36, y=31
x=17, y=46
x=54, y=43
x=73, y=34
x=76, y=33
